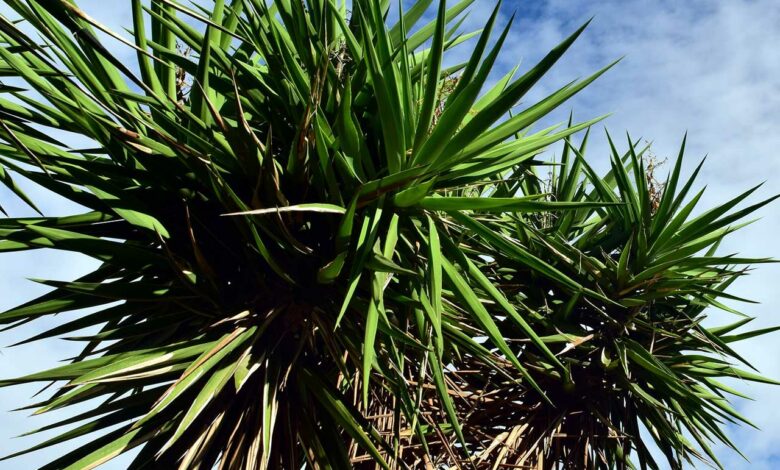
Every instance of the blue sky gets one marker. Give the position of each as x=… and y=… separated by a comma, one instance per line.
x=709, y=67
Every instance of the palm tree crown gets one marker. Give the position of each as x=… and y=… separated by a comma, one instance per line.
x=319, y=247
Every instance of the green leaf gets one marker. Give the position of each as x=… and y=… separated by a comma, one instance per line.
x=486, y=322
x=312, y=207
x=342, y=415
x=495, y=204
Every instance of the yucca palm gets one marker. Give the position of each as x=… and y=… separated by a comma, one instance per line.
x=320, y=247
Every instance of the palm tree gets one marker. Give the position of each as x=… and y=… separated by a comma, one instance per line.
x=321, y=248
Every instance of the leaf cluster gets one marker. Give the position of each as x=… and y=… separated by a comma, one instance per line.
x=319, y=246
